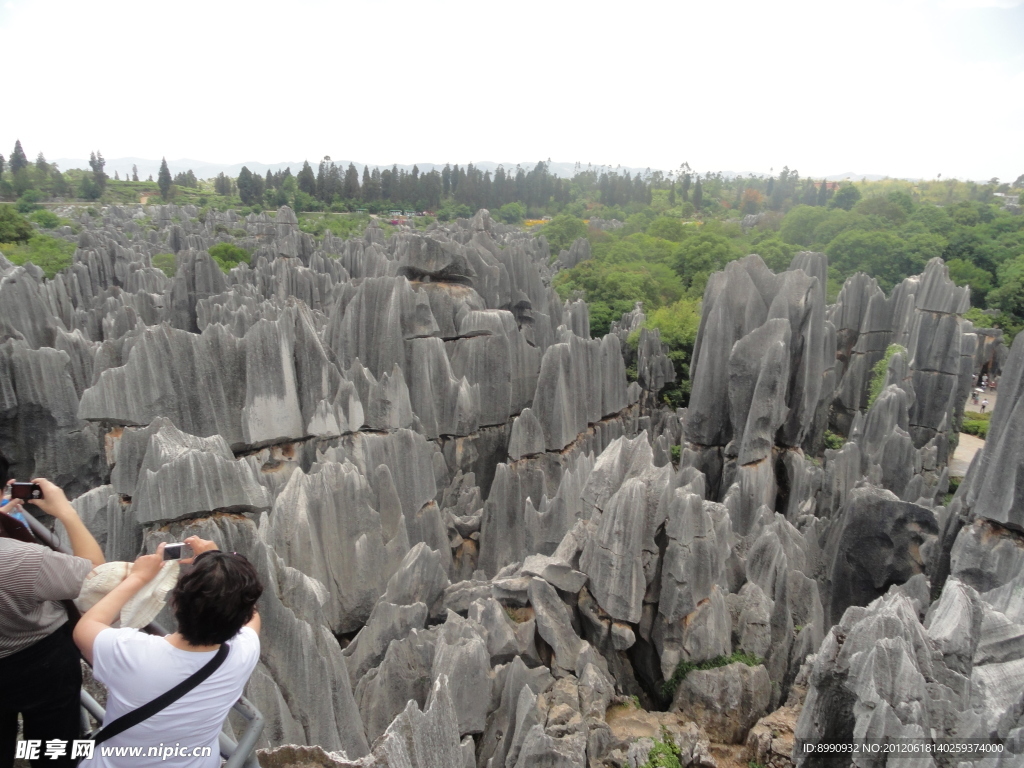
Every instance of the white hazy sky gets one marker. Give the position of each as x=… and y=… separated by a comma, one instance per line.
x=900, y=87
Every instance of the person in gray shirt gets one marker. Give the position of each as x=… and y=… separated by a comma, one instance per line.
x=40, y=672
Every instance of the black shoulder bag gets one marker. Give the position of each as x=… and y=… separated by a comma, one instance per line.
x=146, y=711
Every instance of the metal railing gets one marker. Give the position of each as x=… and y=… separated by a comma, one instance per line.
x=240, y=754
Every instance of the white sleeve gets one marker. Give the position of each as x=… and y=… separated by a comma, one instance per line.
x=247, y=642
x=111, y=654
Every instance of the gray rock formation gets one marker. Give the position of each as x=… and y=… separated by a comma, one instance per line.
x=726, y=701
x=476, y=536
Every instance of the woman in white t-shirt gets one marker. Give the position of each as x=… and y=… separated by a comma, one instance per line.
x=214, y=603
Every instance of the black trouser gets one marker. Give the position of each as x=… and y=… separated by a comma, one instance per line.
x=42, y=682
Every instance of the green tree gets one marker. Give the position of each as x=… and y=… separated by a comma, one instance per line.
x=96, y=162
x=164, y=179
x=45, y=219
x=699, y=256
x=562, y=231
x=698, y=195
x=965, y=273
x=799, y=224
x=228, y=255
x=846, y=197
x=306, y=179
x=890, y=210
x=18, y=161
x=823, y=193
x=166, y=263
x=88, y=189
x=13, y=228
x=1009, y=296
x=511, y=213
x=667, y=228
x=883, y=255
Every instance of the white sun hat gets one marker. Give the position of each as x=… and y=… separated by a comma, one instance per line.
x=144, y=605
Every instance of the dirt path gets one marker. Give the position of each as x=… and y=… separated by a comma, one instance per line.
x=965, y=450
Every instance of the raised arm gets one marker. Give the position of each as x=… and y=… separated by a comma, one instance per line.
x=55, y=503
x=107, y=610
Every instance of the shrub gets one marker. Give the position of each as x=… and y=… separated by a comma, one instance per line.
x=676, y=451
x=668, y=688
x=13, y=228
x=511, y=213
x=976, y=424
x=833, y=441
x=878, y=372
x=45, y=219
x=228, y=255
x=664, y=754
x=27, y=202
x=48, y=253
x=166, y=263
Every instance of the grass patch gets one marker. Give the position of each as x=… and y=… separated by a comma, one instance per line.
x=664, y=754
x=50, y=254
x=343, y=225
x=668, y=688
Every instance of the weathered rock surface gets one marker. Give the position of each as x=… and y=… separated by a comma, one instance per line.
x=433, y=465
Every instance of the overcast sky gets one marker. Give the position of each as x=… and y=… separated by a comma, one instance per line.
x=908, y=88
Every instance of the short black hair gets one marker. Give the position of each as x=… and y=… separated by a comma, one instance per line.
x=216, y=598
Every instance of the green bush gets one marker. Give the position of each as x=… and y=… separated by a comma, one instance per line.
x=45, y=219
x=668, y=688
x=878, y=372
x=167, y=263
x=13, y=227
x=976, y=423
x=664, y=754
x=27, y=202
x=511, y=213
x=676, y=451
x=48, y=253
x=562, y=231
x=228, y=255
x=833, y=441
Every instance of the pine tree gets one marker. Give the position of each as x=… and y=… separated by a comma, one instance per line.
x=163, y=179
x=18, y=160
x=135, y=173
x=41, y=165
x=823, y=192
x=351, y=189
x=1, y=166
x=306, y=180
x=246, y=189
x=672, y=195
x=96, y=162
x=686, y=188
x=698, y=195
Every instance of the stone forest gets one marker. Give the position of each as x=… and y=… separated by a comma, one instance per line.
x=485, y=545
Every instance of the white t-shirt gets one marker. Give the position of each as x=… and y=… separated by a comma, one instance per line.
x=136, y=668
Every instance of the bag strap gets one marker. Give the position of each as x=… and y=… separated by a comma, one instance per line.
x=146, y=711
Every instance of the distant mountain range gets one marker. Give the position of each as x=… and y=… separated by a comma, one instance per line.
x=206, y=170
